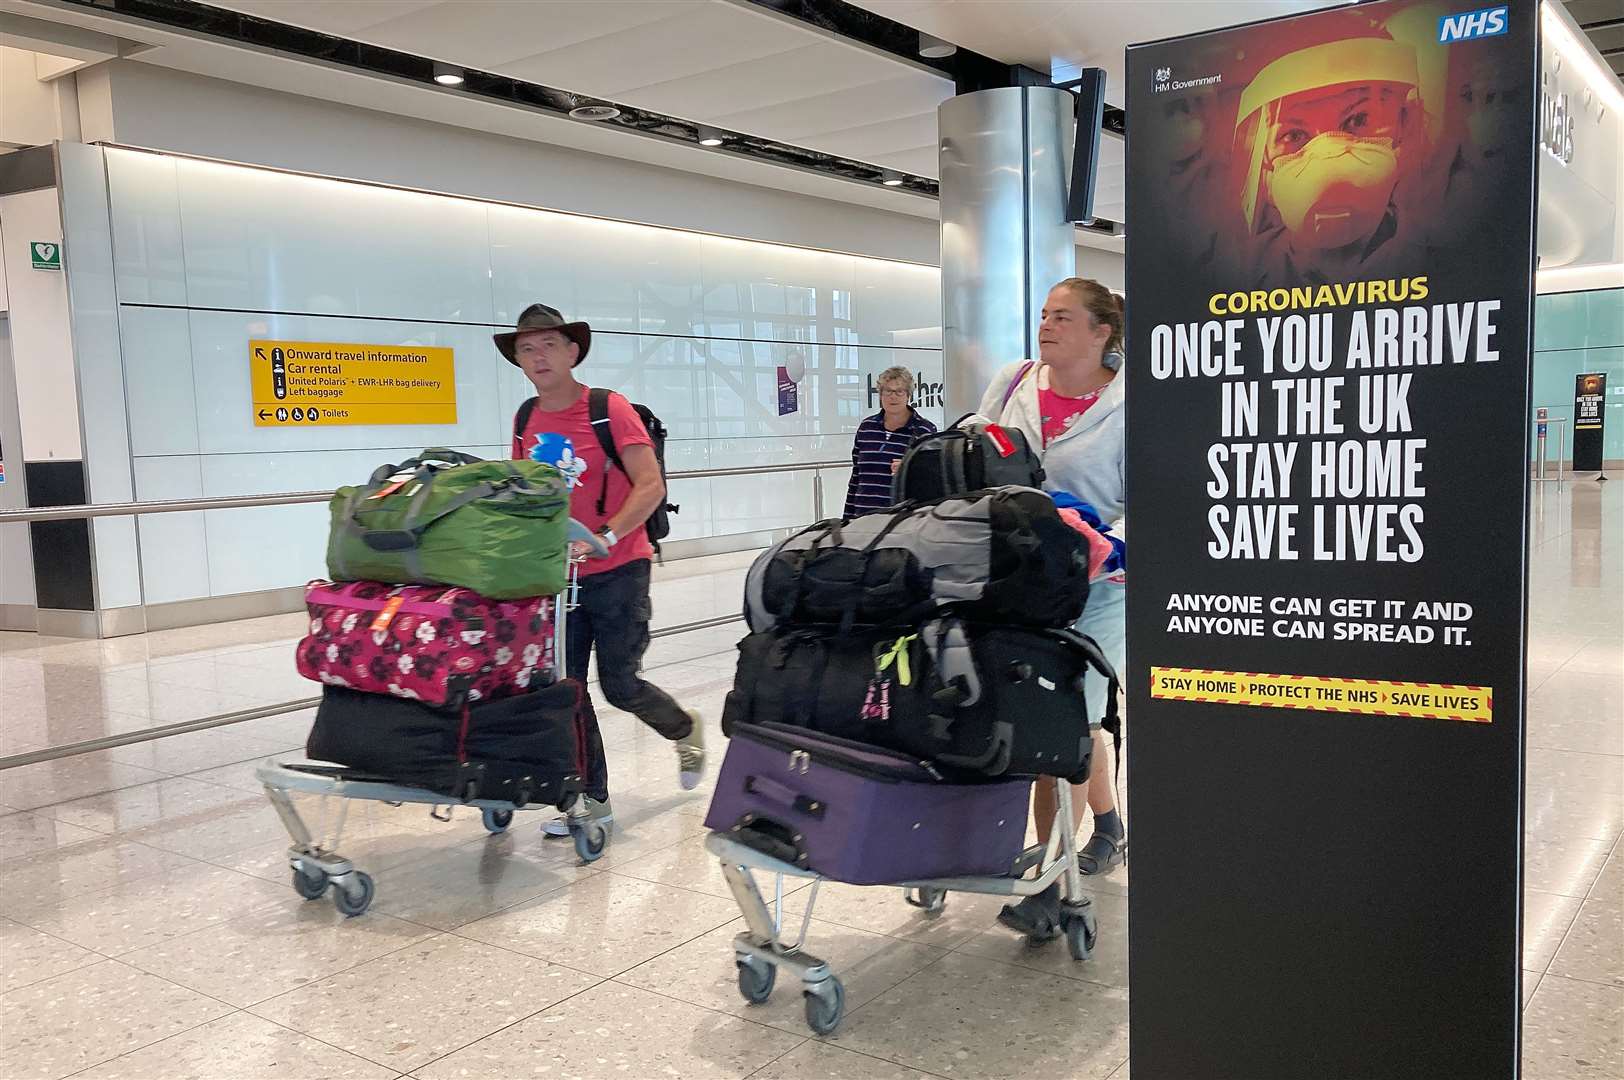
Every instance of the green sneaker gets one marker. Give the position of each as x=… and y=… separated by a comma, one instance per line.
x=601, y=812
x=691, y=755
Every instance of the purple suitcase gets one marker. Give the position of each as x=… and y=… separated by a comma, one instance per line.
x=862, y=815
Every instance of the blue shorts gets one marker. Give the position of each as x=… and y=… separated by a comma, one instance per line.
x=1106, y=621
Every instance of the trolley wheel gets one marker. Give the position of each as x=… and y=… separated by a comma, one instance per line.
x=354, y=896
x=756, y=979
x=825, y=1006
x=590, y=839
x=309, y=884
x=496, y=821
x=1082, y=933
x=930, y=901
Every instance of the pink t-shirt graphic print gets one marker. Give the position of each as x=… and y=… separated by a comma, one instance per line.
x=568, y=442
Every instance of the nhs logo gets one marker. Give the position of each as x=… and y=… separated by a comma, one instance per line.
x=1486, y=22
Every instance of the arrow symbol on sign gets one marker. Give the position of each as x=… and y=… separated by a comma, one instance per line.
x=259, y=353
x=263, y=415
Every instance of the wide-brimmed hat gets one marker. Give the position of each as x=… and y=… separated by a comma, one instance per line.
x=542, y=317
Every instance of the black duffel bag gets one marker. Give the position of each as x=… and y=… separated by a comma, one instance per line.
x=1001, y=555
x=854, y=685
x=974, y=699
x=530, y=748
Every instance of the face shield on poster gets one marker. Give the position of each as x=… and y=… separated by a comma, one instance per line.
x=1324, y=131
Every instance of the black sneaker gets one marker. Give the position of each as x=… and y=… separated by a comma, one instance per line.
x=1037, y=917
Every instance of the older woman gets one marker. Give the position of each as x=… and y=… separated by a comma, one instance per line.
x=1070, y=402
x=880, y=443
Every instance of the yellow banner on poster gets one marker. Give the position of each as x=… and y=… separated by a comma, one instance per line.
x=1376, y=697
x=322, y=383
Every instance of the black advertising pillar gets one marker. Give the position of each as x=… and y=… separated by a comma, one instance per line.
x=1589, y=416
x=1329, y=297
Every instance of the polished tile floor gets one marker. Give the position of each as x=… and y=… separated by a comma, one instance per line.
x=147, y=928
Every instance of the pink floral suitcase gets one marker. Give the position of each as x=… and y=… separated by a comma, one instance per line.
x=431, y=643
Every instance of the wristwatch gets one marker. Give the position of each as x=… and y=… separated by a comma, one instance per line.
x=607, y=535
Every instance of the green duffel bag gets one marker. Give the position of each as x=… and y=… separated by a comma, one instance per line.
x=449, y=518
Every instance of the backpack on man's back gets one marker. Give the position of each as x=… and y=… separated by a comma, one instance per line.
x=658, y=524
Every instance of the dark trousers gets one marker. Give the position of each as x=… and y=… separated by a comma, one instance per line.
x=612, y=616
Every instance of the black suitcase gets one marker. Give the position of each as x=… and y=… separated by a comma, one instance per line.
x=1021, y=709
x=530, y=748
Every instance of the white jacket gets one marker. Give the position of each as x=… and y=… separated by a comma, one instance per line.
x=1086, y=460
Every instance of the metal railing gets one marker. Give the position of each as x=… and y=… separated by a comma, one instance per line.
x=294, y=498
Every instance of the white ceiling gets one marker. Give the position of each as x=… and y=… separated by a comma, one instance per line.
x=733, y=65
x=1064, y=36
x=724, y=62
x=743, y=68
x=253, y=65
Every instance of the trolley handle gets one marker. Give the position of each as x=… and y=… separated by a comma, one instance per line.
x=578, y=532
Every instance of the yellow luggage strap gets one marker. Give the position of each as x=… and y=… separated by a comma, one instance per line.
x=897, y=655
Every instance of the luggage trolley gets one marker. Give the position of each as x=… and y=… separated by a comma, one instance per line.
x=763, y=948
x=314, y=856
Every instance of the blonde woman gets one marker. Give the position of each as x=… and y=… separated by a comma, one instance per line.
x=1070, y=402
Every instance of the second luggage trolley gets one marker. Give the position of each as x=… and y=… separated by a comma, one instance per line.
x=314, y=857
x=764, y=948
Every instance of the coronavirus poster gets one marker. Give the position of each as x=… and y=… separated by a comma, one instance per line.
x=1589, y=419
x=1330, y=256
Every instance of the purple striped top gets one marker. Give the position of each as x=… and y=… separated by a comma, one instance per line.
x=872, y=453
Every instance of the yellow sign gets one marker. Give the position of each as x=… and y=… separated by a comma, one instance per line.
x=321, y=383
x=1377, y=697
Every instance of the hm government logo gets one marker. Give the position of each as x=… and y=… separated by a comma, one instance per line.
x=1166, y=82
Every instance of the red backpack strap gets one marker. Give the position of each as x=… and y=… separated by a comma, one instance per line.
x=1014, y=384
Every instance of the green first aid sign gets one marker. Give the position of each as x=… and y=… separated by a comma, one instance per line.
x=45, y=255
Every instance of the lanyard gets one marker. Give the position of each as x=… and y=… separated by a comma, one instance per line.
x=897, y=654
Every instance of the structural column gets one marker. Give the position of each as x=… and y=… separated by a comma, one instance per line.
x=1005, y=164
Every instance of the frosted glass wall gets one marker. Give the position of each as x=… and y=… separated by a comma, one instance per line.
x=209, y=256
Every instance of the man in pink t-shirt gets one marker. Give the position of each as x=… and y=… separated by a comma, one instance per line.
x=614, y=608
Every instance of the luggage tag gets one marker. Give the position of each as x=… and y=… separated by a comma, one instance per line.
x=876, y=701
x=877, y=697
x=1000, y=440
x=396, y=482
x=387, y=615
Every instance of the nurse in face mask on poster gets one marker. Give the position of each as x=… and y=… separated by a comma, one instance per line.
x=1325, y=135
